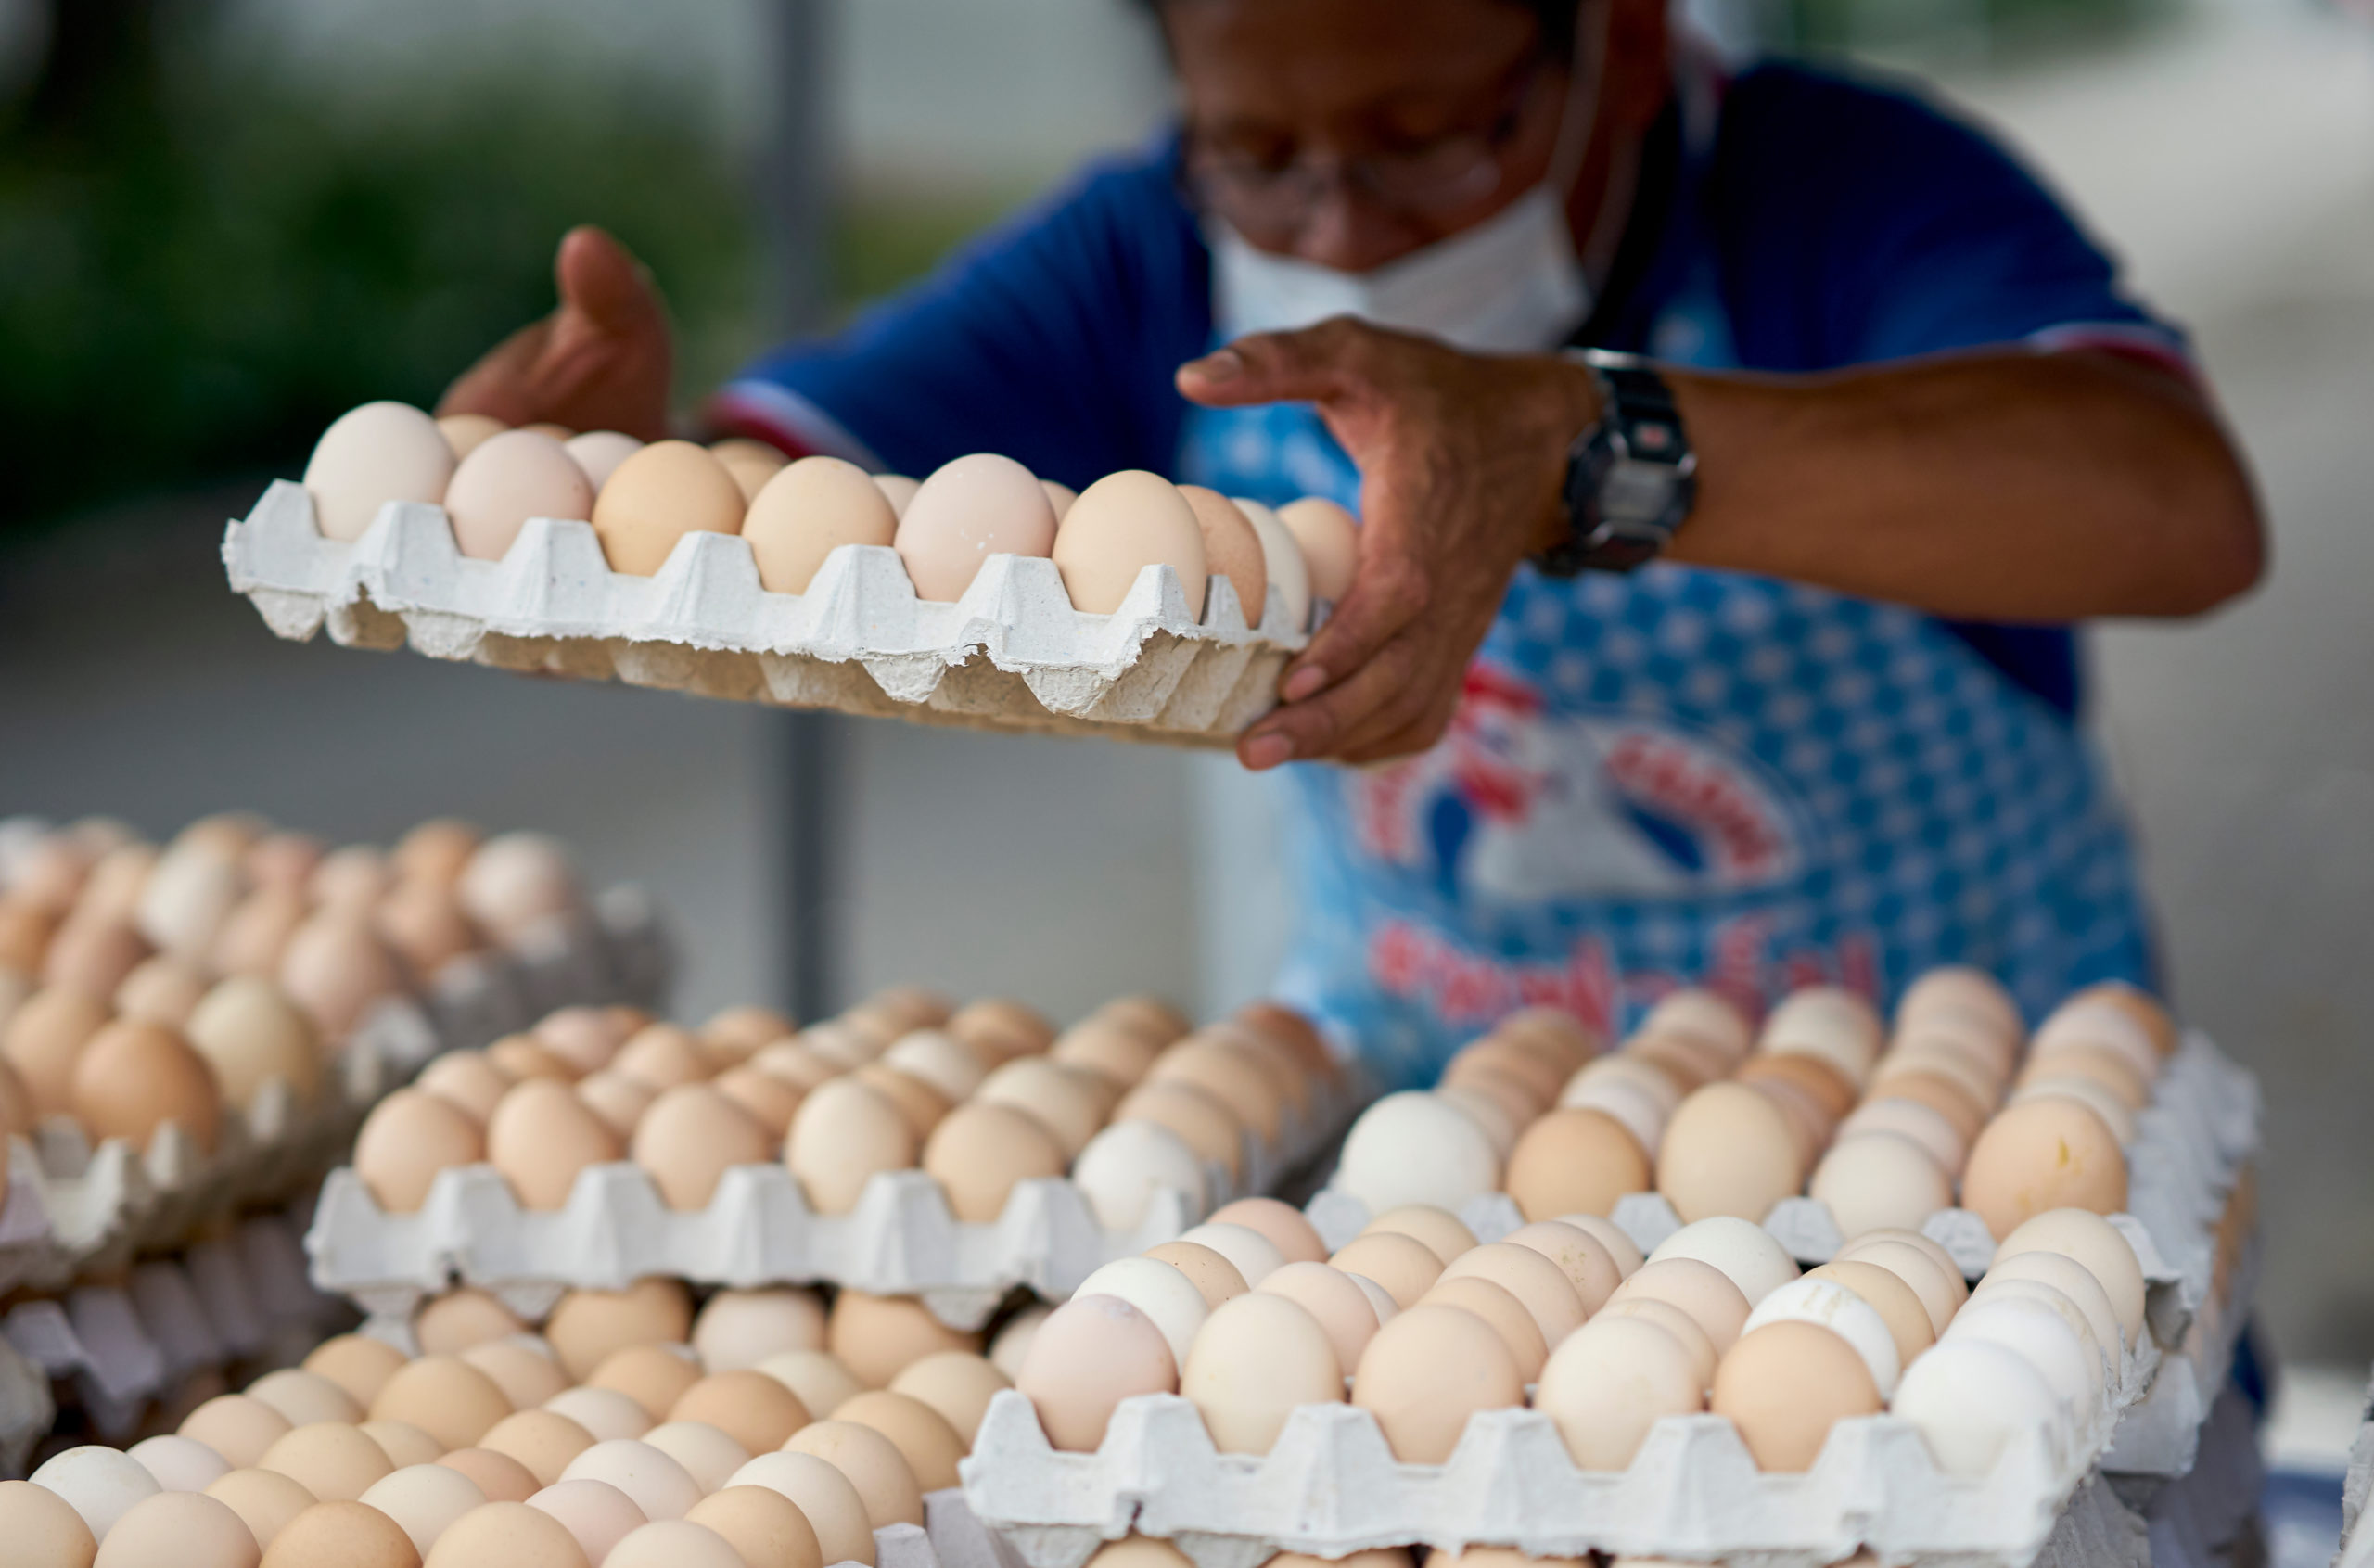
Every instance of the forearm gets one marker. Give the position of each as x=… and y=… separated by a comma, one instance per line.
x=2004, y=486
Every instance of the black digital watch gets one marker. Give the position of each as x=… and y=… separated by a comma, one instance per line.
x=1631, y=478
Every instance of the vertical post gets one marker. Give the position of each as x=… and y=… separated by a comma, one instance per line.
x=795, y=201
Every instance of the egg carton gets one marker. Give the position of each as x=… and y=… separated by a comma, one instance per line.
x=73, y=1207
x=2356, y=1484
x=901, y=1239
x=27, y=1410
x=1012, y=653
x=1330, y=1486
x=241, y=1297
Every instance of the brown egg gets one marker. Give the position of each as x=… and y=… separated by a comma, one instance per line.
x=618, y=1100
x=734, y=1033
x=982, y=1150
x=884, y=1482
x=1896, y=1303
x=93, y=953
x=1578, y=1254
x=341, y=1534
x=502, y=1478
x=162, y=990
x=1230, y=1078
x=1294, y=1236
x=1330, y=540
x=664, y=1056
x=1202, y=1121
x=804, y=512
x=1215, y=1278
x=1703, y=1290
x=764, y=1526
x=795, y=1063
x=749, y=1406
x=1122, y=524
x=585, y=1038
x=541, y=1442
x=255, y=938
x=1942, y=1095
x=957, y=1385
x=249, y=1032
x=435, y=851
x=740, y=1329
x=1940, y=1287
x=133, y=1078
x=1060, y=1098
x=1507, y=1315
x=1536, y=1283
x=1278, y=1065
x=657, y=496
x=357, y=1363
x=305, y=1398
x=336, y=967
x=239, y=1428
x=2140, y=1005
x=521, y=1057
x=177, y=1529
x=1003, y=1025
x=1425, y=1372
x=507, y=1533
x=845, y=1132
x=541, y=1137
x=604, y=1414
x=1231, y=548
x=1784, y=1385
x=446, y=1397
x=878, y=1336
x=24, y=934
x=265, y=1501
x=407, y=1140
x=1092, y=1353
x=43, y=1038
x=351, y=880
x=1575, y=1162
x=929, y=1442
x=1727, y=1150
x=766, y=1100
x=585, y=1326
x=2103, y=1065
x=334, y=1462
x=2040, y=1154
x=1442, y=1232
x=1404, y=1268
x=1830, y=1087
x=1122, y=1053
x=424, y=922
x=688, y=1139
x=708, y=1455
x=463, y=1318
x=406, y=1445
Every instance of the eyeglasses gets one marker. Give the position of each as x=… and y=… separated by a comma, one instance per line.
x=1263, y=195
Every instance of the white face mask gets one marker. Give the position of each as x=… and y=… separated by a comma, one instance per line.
x=1511, y=285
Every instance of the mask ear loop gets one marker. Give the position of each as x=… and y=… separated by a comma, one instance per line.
x=1586, y=75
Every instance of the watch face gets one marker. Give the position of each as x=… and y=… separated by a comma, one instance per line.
x=1636, y=492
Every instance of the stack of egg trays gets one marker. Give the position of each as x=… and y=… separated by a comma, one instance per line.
x=1331, y=1486
x=73, y=1208
x=757, y=1230
x=1012, y=653
x=241, y=1297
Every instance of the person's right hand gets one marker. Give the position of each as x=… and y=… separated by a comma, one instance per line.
x=600, y=362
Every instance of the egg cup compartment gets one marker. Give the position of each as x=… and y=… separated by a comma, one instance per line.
x=1330, y=1486
x=1010, y=654
x=76, y=1208
x=901, y=1239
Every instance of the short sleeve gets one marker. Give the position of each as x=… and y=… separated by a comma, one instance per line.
x=1052, y=340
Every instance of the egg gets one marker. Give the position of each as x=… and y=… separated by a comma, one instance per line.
x=2071, y=1279
x=1213, y=1276
x=131, y=1077
x=180, y=1464
x=1253, y=1254
x=878, y=1336
x=1896, y=1303
x=752, y=464
x=958, y=1387
x=1425, y=1372
x=249, y=1033
x=44, y=1527
x=825, y=1497
x=371, y=455
x=305, y=1398
x=689, y=1138
x=1784, y=1385
x=1879, y=1180
x=1202, y=1121
x=162, y=990
x=2043, y=1155
x=1404, y=1268
x=967, y=511
x=2098, y=1246
x=749, y=1406
x=357, y=1363
x=586, y=1325
x=1056, y=1097
x=1498, y=1307
x=1746, y=1253
x=445, y=1396
x=1610, y=1382
x=42, y=1039
x=541, y=1137
x=884, y=1482
x=2093, y=1024
x=179, y=1529
x=708, y=1455
x=601, y=1413
x=1001, y=1024
x=505, y=1535
x=501, y=1477
x=1970, y=1400
x=918, y=1102
x=425, y=1500
x=2048, y=1335
x=404, y=1443
x=1589, y=1267
x=541, y=1440
x=655, y=1483
x=2098, y=1065
x=1676, y=1323
x=1124, y=1165
x=736, y=1330
x=657, y=496
x=899, y=490
x=1329, y=538
x=465, y=432
x=763, y=1527
x=334, y=1461
x=1119, y=526
x=653, y=1376
x=424, y=922
x=344, y=1533
x=1697, y=1288
x=93, y=953
x=597, y=454
x=586, y=1038
x=1092, y=1353
x=1940, y=1288
x=516, y=882
x=1334, y=1301
x=1980, y=1079
x=1159, y=1290
x=1729, y=1150
x=816, y=1378
x=235, y=1426
x=2140, y=1005
x=1539, y=1285
x=938, y=1060
x=596, y=1514
x=1574, y=1161
x=406, y=1141
x=264, y=1501
x=1414, y=1148
x=1144, y=1551
x=1909, y=1119
x=528, y=1374
x=255, y=936
x=507, y=480
x=1059, y=498
x=334, y=967
x=1833, y=1307
x=844, y=1132
x=1253, y=1362
x=734, y=1034
x=806, y=512
x=451, y=1323
x=2088, y=1092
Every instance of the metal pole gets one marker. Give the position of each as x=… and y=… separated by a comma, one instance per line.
x=795, y=200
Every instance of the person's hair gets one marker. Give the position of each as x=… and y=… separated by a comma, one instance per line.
x=1555, y=17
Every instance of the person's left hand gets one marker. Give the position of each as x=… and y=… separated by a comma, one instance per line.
x=1461, y=459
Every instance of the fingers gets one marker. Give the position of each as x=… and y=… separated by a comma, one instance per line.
x=1318, y=365
x=1378, y=698
x=1389, y=592
x=601, y=279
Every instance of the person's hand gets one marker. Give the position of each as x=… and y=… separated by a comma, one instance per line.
x=600, y=362
x=1461, y=459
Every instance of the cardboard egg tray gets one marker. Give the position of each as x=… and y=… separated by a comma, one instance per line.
x=757, y=1230
x=241, y=1297
x=1012, y=653
x=2356, y=1537
x=75, y=1208
x=27, y=1410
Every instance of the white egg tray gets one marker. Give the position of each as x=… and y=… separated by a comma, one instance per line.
x=238, y=1299
x=901, y=1239
x=2356, y=1538
x=74, y=1208
x=27, y=1410
x=1012, y=653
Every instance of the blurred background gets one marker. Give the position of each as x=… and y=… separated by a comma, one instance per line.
x=224, y=222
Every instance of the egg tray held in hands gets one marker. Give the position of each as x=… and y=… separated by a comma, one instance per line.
x=901, y=1239
x=73, y=1208
x=1012, y=653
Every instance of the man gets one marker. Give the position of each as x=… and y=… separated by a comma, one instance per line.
x=1893, y=428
